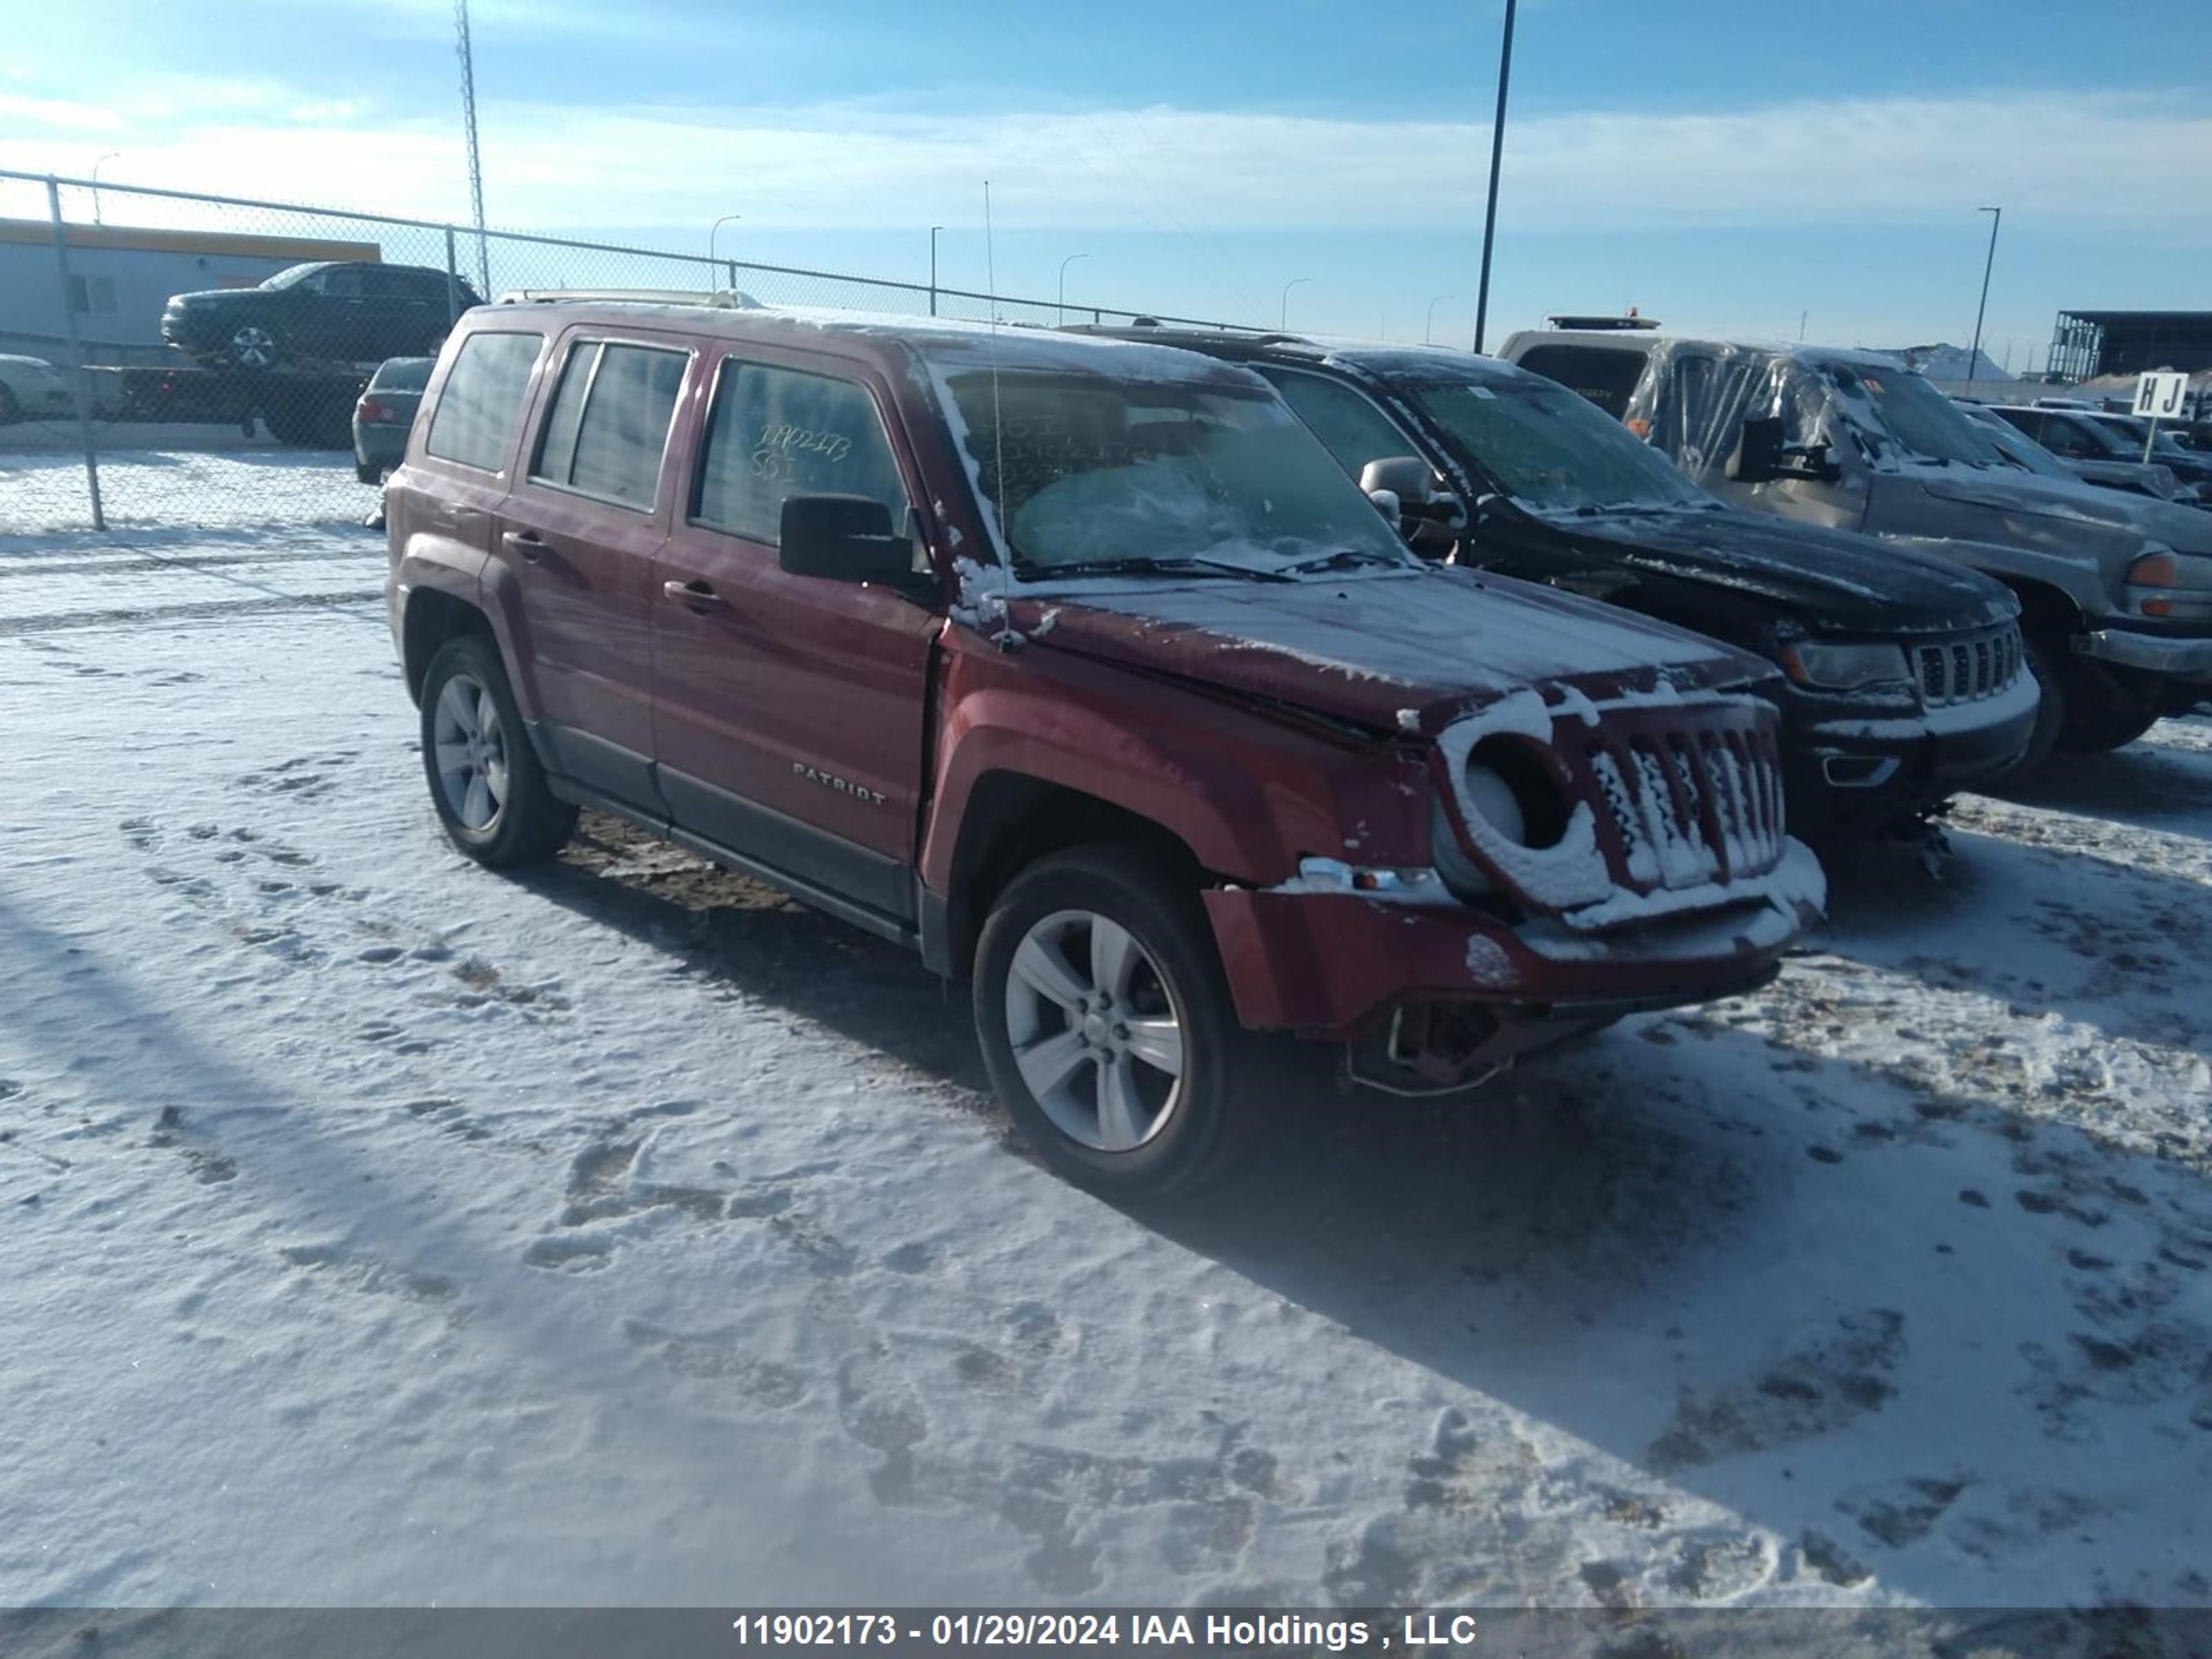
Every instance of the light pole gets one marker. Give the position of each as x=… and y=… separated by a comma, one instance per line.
x=1497, y=156
x=716, y=231
x=1287, y=286
x=1059, y=306
x=110, y=156
x=467, y=56
x=1974, y=356
x=933, y=229
x=1428, y=324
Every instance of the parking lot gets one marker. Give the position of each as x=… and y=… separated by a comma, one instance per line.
x=382, y=1228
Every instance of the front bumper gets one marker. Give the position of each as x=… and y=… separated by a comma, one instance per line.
x=2177, y=656
x=1843, y=774
x=1330, y=965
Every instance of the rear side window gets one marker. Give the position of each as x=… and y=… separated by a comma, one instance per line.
x=474, y=422
x=780, y=432
x=1350, y=427
x=609, y=427
x=1606, y=377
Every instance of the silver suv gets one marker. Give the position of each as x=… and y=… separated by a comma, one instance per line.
x=2115, y=590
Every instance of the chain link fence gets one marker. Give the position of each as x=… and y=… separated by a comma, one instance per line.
x=234, y=407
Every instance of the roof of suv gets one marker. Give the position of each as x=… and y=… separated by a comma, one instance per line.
x=1646, y=344
x=1383, y=357
x=889, y=337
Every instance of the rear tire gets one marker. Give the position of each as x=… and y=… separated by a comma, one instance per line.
x=1107, y=1025
x=486, y=783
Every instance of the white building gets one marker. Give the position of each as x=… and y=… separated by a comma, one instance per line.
x=122, y=276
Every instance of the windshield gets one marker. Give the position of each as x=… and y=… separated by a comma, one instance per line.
x=1085, y=472
x=292, y=274
x=1550, y=449
x=1919, y=422
x=2016, y=446
x=2128, y=431
x=402, y=374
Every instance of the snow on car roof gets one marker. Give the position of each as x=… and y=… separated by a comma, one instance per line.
x=944, y=342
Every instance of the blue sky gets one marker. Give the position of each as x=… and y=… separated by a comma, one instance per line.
x=1719, y=163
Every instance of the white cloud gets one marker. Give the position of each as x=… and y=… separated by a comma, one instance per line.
x=2105, y=163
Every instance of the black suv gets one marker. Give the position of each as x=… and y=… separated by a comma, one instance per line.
x=1903, y=679
x=331, y=312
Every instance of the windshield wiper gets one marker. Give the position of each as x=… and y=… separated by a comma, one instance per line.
x=1342, y=557
x=1150, y=566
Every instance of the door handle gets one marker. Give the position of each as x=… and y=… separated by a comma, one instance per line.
x=694, y=595
x=528, y=543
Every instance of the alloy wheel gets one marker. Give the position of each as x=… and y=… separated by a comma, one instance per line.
x=253, y=347
x=1096, y=1030
x=470, y=753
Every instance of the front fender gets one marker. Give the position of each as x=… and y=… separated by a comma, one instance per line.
x=1247, y=792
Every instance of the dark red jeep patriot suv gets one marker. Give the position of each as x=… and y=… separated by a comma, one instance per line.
x=1079, y=667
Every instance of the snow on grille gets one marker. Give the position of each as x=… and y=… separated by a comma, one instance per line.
x=1690, y=807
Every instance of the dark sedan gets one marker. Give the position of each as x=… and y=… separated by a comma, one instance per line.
x=357, y=312
x=385, y=411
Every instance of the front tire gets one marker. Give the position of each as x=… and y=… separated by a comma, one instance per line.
x=1107, y=1026
x=485, y=780
x=2047, y=660
x=253, y=346
x=2111, y=709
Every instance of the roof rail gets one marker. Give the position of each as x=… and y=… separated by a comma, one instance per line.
x=1571, y=319
x=722, y=299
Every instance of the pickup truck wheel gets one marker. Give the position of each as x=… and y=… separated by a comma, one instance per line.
x=2109, y=710
x=1107, y=1025
x=2047, y=662
x=485, y=780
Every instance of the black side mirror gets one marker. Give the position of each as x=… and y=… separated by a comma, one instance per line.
x=1762, y=456
x=845, y=538
x=1758, y=457
x=1405, y=476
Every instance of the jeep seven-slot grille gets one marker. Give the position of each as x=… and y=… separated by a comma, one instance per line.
x=1686, y=807
x=1968, y=667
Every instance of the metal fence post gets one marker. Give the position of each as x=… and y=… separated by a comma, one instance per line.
x=453, y=281
x=76, y=351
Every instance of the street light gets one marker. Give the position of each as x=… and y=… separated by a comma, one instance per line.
x=1059, y=306
x=1974, y=356
x=110, y=156
x=717, y=231
x=933, y=229
x=1497, y=155
x=1428, y=326
x=1287, y=286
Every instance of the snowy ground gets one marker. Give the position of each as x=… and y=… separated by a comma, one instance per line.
x=376, y=1230
x=202, y=476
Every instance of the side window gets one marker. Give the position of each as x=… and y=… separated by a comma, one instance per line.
x=343, y=283
x=780, y=432
x=609, y=425
x=2060, y=437
x=481, y=402
x=1607, y=379
x=1350, y=428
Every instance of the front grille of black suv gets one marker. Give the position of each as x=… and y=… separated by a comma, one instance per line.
x=1967, y=667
